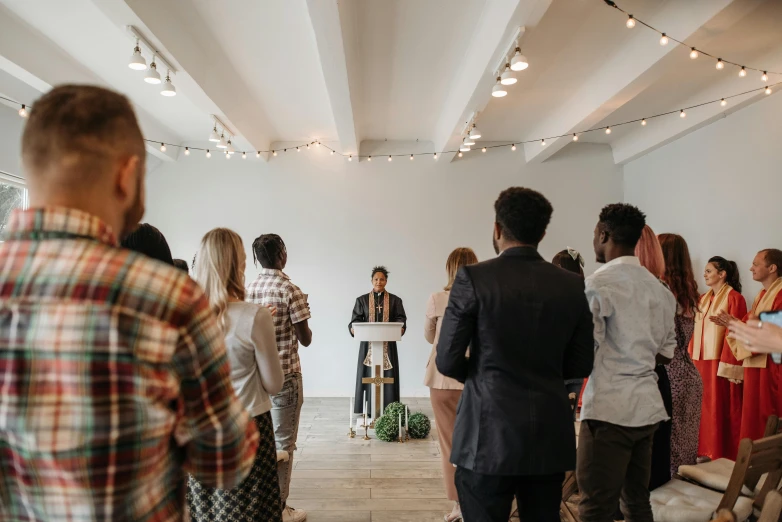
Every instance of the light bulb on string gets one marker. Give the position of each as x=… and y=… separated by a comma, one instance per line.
x=208, y=154
x=258, y=155
x=460, y=154
x=308, y=146
x=369, y=158
x=297, y=149
x=162, y=147
x=23, y=111
x=227, y=156
x=764, y=78
x=350, y=158
x=187, y=151
x=317, y=144
x=694, y=53
x=720, y=64
x=513, y=147
x=742, y=72
x=389, y=158
x=575, y=137
x=483, y=149
x=332, y=152
x=723, y=102
x=767, y=90
x=643, y=122
x=435, y=156
x=244, y=155
x=608, y=130
x=682, y=114
x=411, y=157
x=630, y=22
x=664, y=39
x=542, y=143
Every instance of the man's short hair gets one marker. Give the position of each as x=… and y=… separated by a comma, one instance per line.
x=523, y=214
x=81, y=128
x=773, y=257
x=268, y=249
x=623, y=223
x=149, y=241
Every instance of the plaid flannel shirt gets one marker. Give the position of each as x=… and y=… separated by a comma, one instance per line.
x=114, y=379
x=274, y=288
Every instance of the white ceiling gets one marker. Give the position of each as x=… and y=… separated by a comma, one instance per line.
x=353, y=71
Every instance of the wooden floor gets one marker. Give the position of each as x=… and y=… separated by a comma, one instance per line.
x=336, y=478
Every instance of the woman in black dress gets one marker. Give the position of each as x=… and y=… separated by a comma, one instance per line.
x=377, y=306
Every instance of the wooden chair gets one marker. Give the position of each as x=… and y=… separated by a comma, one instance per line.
x=772, y=508
x=569, y=488
x=716, y=474
x=679, y=500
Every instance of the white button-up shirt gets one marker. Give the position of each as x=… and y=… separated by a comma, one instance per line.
x=634, y=315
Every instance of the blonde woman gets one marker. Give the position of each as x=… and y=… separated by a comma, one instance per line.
x=444, y=391
x=255, y=374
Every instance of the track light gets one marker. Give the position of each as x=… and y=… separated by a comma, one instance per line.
x=608, y=130
x=664, y=39
x=508, y=78
x=575, y=137
x=682, y=114
x=498, y=91
x=230, y=149
x=742, y=72
x=630, y=22
x=464, y=148
x=720, y=64
x=723, y=102
x=23, y=111
x=152, y=75
x=222, y=144
x=475, y=133
x=187, y=151
x=468, y=141
x=168, y=87
x=137, y=61
x=162, y=147
x=208, y=154
x=694, y=53
x=214, y=136
x=519, y=61
x=764, y=78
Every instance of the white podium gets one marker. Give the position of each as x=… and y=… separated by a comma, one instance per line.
x=376, y=334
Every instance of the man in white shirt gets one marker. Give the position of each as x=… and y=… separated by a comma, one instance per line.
x=633, y=314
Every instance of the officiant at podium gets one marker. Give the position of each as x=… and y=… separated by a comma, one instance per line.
x=381, y=307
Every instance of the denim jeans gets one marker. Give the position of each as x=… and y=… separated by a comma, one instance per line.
x=286, y=410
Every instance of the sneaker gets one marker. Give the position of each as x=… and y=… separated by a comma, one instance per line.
x=290, y=514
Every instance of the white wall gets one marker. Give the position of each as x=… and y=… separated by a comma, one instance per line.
x=719, y=187
x=11, y=126
x=339, y=219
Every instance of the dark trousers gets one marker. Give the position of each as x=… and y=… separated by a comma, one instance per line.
x=614, y=465
x=488, y=498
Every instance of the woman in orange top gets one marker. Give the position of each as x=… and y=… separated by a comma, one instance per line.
x=721, y=373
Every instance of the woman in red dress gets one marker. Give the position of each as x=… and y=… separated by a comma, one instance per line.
x=722, y=374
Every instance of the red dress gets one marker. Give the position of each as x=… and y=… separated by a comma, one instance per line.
x=762, y=386
x=722, y=399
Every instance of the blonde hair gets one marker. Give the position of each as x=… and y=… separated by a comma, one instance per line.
x=219, y=269
x=460, y=257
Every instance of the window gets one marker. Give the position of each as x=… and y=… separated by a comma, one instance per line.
x=13, y=195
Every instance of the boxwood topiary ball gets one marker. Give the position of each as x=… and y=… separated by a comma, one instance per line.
x=395, y=409
x=419, y=426
x=387, y=428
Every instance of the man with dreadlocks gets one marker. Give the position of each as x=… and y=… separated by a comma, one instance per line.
x=377, y=306
x=273, y=288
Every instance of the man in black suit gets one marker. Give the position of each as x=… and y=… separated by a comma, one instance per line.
x=529, y=327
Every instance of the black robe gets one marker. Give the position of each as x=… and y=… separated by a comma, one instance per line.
x=361, y=315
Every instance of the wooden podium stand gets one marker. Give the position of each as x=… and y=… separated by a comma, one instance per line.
x=376, y=334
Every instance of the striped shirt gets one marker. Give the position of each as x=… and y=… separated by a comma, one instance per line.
x=274, y=288
x=114, y=379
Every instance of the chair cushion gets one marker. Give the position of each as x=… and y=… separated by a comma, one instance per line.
x=680, y=501
x=715, y=475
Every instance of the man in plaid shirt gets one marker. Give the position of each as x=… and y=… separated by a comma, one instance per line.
x=274, y=289
x=114, y=379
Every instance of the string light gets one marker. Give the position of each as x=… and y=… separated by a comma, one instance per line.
x=630, y=22
x=411, y=157
x=317, y=144
x=461, y=154
x=389, y=158
x=664, y=39
x=162, y=147
x=575, y=137
x=682, y=114
x=742, y=72
x=297, y=149
x=608, y=130
x=483, y=149
x=513, y=147
x=435, y=155
x=350, y=158
x=764, y=77
x=643, y=122
x=187, y=151
x=208, y=154
x=258, y=154
x=723, y=102
x=227, y=156
x=369, y=158
x=542, y=143
x=767, y=90
x=308, y=146
x=332, y=152
x=720, y=65
x=694, y=53
x=244, y=155
x=23, y=111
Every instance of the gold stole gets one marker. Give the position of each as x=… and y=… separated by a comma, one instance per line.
x=372, y=319
x=763, y=303
x=708, y=334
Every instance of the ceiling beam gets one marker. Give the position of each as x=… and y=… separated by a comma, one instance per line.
x=205, y=74
x=471, y=88
x=333, y=53
x=621, y=77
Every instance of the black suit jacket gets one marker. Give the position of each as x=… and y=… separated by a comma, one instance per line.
x=529, y=328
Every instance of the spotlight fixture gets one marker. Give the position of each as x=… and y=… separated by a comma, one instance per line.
x=152, y=75
x=498, y=91
x=468, y=141
x=575, y=137
x=464, y=148
x=608, y=130
x=742, y=72
x=664, y=39
x=682, y=114
x=643, y=122
x=768, y=90
x=764, y=78
x=507, y=77
x=23, y=111
x=208, y=154
x=244, y=155
x=168, y=87
x=483, y=149
x=513, y=147
x=475, y=133
x=222, y=144
x=187, y=151
x=162, y=147
x=720, y=64
x=723, y=102
x=137, y=61
x=694, y=53
x=519, y=61
x=214, y=136
x=630, y=22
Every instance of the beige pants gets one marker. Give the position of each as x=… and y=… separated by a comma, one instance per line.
x=444, y=404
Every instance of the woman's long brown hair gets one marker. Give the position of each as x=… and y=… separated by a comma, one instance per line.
x=678, y=272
